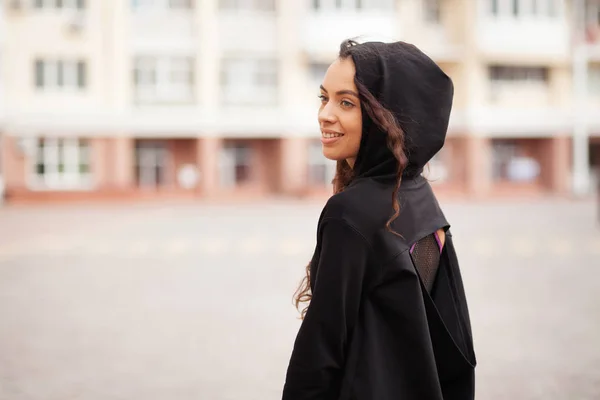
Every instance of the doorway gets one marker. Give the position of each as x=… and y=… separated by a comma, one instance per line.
x=152, y=164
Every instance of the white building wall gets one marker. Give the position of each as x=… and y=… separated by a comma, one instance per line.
x=2, y=68
x=466, y=40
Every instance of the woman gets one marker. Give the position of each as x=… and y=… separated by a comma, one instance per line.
x=388, y=317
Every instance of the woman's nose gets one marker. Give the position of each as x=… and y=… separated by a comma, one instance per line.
x=326, y=114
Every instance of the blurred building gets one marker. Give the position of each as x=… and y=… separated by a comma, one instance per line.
x=2, y=117
x=113, y=98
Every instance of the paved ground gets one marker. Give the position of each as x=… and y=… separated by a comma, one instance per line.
x=193, y=301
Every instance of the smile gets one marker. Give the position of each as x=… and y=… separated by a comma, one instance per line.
x=330, y=135
x=329, y=138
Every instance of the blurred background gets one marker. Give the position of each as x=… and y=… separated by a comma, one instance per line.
x=161, y=177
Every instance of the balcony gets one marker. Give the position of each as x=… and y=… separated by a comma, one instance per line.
x=499, y=121
x=157, y=29
x=523, y=37
x=435, y=41
x=324, y=30
x=74, y=28
x=247, y=30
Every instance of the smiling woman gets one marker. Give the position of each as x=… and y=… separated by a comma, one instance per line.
x=387, y=316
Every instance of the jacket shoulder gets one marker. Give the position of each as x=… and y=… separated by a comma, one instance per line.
x=365, y=210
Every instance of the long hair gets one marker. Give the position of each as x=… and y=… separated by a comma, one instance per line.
x=385, y=121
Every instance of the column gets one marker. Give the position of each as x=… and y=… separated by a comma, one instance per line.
x=294, y=161
x=2, y=156
x=560, y=148
x=14, y=163
x=208, y=56
x=409, y=16
x=100, y=162
x=290, y=17
x=123, y=159
x=471, y=92
x=478, y=172
x=292, y=147
x=581, y=167
x=117, y=56
x=208, y=149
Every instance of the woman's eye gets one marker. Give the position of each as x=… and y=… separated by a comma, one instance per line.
x=347, y=103
x=322, y=97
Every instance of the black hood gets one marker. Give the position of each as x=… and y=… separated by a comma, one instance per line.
x=416, y=91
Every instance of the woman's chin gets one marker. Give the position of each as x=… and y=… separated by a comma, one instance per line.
x=331, y=155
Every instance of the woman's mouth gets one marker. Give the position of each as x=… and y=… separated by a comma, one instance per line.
x=330, y=137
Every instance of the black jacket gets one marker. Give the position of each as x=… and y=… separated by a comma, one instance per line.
x=372, y=331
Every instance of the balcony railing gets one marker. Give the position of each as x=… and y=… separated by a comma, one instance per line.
x=325, y=30
x=524, y=37
x=247, y=30
x=163, y=29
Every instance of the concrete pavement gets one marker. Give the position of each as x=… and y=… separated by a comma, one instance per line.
x=193, y=301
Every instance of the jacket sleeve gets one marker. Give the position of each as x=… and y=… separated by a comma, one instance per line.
x=318, y=357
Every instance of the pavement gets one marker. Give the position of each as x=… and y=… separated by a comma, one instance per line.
x=193, y=300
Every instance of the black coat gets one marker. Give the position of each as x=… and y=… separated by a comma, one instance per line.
x=372, y=331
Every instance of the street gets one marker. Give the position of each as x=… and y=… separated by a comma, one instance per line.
x=182, y=301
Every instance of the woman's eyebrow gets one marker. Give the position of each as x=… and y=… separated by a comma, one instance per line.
x=341, y=92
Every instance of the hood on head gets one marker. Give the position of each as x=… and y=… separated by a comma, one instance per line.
x=419, y=94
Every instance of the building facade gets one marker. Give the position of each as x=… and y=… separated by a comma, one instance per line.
x=218, y=98
x=2, y=117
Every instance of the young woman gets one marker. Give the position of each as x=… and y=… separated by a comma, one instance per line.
x=388, y=316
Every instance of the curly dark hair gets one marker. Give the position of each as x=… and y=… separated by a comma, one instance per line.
x=385, y=121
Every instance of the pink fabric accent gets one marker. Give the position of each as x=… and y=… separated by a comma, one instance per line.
x=439, y=241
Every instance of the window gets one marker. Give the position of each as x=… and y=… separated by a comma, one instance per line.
x=432, y=11
x=385, y=5
x=502, y=153
x=594, y=80
x=181, y=4
x=551, y=7
x=151, y=163
x=321, y=171
x=162, y=4
x=515, y=7
x=143, y=3
x=163, y=79
x=518, y=85
x=494, y=6
x=59, y=4
x=510, y=164
x=518, y=74
x=235, y=164
x=81, y=71
x=327, y=5
x=62, y=163
x=249, y=81
x=521, y=8
x=60, y=74
x=593, y=12
x=249, y=5
x=594, y=157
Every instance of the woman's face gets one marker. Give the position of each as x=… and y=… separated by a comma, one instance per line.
x=340, y=117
